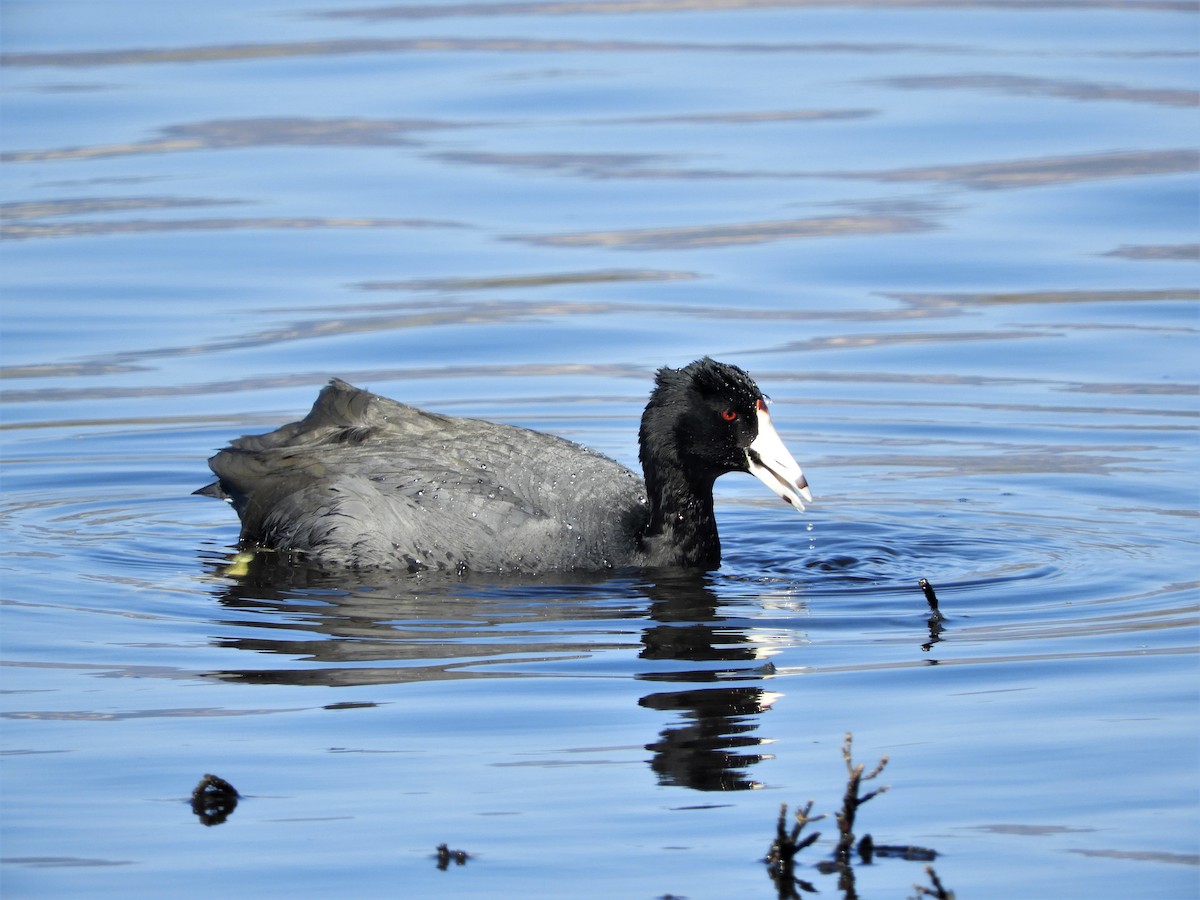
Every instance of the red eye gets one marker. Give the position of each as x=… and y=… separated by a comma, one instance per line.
x=729, y=415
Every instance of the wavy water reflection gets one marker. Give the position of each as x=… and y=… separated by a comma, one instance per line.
x=1050, y=87
x=146, y=226
x=418, y=315
x=428, y=630
x=1177, y=252
x=355, y=46
x=657, y=7
x=1025, y=173
x=270, y=131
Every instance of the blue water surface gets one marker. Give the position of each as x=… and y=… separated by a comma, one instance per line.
x=955, y=243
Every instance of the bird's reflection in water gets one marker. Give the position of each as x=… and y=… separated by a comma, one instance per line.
x=711, y=746
x=339, y=632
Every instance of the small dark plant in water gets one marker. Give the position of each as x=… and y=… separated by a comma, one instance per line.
x=781, y=858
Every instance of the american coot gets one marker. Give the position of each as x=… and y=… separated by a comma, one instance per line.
x=363, y=481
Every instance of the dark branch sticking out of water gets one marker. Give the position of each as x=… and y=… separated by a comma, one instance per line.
x=214, y=800
x=927, y=588
x=781, y=857
x=853, y=799
x=936, y=618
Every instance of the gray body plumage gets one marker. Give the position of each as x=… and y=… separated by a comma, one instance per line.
x=365, y=482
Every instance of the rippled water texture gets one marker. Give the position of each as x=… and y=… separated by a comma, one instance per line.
x=955, y=242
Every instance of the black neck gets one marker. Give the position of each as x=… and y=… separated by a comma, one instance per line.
x=682, y=530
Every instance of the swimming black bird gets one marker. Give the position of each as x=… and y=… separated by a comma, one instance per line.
x=366, y=482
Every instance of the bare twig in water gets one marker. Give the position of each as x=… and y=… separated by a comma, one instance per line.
x=938, y=890
x=445, y=856
x=782, y=855
x=853, y=800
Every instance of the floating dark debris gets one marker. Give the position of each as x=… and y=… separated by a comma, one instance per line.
x=445, y=856
x=214, y=800
x=907, y=851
